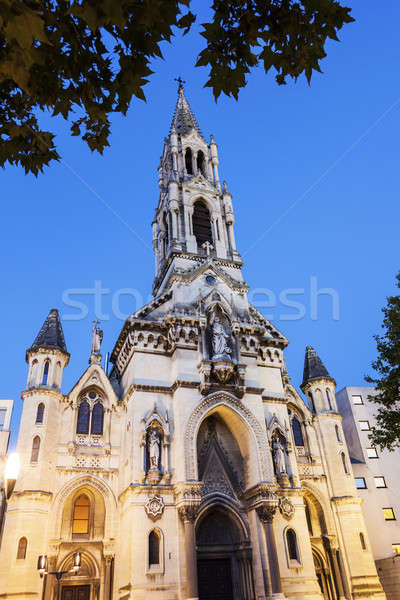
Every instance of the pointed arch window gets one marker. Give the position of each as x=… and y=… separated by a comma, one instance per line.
x=189, y=161
x=45, y=373
x=35, y=449
x=308, y=518
x=346, y=470
x=297, y=432
x=40, y=413
x=154, y=548
x=200, y=162
x=22, y=546
x=328, y=395
x=311, y=397
x=201, y=223
x=83, y=417
x=338, y=436
x=80, y=519
x=362, y=541
x=97, y=419
x=291, y=540
x=166, y=234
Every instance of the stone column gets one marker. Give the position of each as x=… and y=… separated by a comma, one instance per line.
x=266, y=514
x=188, y=515
x=108, y=577
x=337, y=576
x=50, y=582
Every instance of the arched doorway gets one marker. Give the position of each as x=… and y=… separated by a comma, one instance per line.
x=223, y=558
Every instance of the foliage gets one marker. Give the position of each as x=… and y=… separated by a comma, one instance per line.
x=85, y=59
x=386, y=433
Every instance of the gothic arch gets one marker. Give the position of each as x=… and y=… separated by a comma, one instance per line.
x=227, y=507
x=321, y=504
x=70, y=489
x=89, y=564
x=252, y=440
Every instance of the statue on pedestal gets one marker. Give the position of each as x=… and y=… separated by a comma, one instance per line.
x=220, y=339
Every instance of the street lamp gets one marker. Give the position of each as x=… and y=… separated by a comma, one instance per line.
x=42, y=568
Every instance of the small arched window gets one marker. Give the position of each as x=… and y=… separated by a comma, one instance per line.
x=200, y=162
x=201, y=224
x=80, y=520
x=83, y=417
x=45, y=372
x=338, y=436
x=311, y=397
x=328, y=396
x=346, y=470
x=35, y=449
x=166, y=234
x=97, y=419
x=22, y=546
x=34, y=370
x=40, y=413
x=308, y=518
x=362, y=541
x=291, y=540
x=189, y=161
x=154, y=548
x=297, y=432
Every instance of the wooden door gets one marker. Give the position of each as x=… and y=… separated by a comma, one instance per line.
x=215, y=579
x=75, y=592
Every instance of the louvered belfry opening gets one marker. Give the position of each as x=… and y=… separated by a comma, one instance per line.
x=201, y=224
x=189, y=161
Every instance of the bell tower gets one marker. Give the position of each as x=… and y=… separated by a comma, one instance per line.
x=194, y=218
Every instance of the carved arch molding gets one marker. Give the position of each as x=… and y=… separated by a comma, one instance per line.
x=256, y=432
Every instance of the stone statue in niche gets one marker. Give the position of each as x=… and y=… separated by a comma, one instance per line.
x=154, y=449
x=279, y=458
x=220, y=339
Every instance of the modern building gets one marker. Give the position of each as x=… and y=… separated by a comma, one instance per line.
x=195, y=470
x=377, y=477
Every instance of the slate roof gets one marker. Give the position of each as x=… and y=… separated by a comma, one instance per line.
x=313, y=366
x=51, y=334
x=184, y=120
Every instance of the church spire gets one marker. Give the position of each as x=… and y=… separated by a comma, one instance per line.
x=314, y=368
x=183, y=121
x=51, y=334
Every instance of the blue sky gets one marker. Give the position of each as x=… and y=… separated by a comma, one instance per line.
x=330, y=151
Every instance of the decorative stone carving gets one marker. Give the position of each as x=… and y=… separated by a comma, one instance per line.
x=188, y=512
x=154, y=507
x=223, y=370
x=154, y=448
x=286, y=507
x=220, y=339
x=279, y=457
x=155, y=443
x=266, y=512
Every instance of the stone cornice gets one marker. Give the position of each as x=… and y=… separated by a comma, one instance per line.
x=43, y=391
x=341, y=500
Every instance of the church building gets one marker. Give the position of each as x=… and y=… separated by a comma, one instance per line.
x=194, y=469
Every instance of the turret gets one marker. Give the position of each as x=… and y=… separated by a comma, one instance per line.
x=48, y=355
x=318, y=385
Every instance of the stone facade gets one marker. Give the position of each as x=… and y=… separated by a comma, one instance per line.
x=195, y=469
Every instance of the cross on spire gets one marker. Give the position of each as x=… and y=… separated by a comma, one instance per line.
x=180, y=82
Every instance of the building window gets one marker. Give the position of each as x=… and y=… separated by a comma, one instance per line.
x=35, y=449
x=337, y=431
x=360, y=483
x=80, y=521
x=308, y=519
x=362, y=541
x=346, y=470
x=3, y=413
x=372, y=453
x=201, y=224
x=396, y=549
x=97, y=419
x=200, y=162
x=357, y=399
x=22, y=546
x=328, y=395
x=189, y=161
x=291, y=541
x=297, y=433
x=380, y=482
x=45, y=373
x=83, y=417
x=154, y=548
x=364, y=425
x=40, y=413
x=388, y=513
